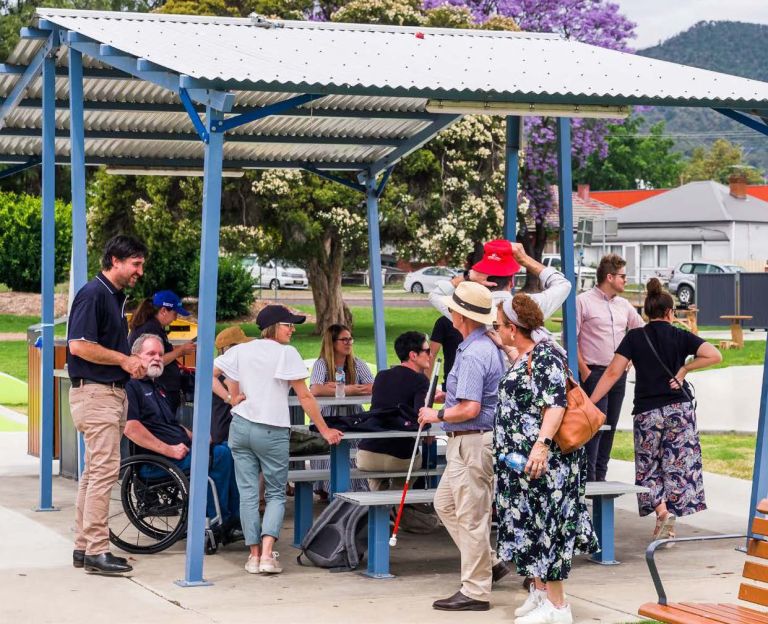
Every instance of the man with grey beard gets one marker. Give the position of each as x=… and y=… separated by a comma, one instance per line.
x=152, y=426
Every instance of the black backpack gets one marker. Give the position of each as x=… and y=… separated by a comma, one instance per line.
x=339, y=537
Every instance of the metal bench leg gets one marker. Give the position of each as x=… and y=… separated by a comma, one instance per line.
x=603, y=520
x=378, y=542
x=339, y=468
x=302, y=511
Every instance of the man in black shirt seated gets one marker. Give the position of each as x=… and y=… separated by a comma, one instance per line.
x=152, y=426
x=406, y=383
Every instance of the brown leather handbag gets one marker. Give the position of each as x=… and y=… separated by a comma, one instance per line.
x=581, y=421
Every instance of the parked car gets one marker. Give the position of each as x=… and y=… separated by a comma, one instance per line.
x=274, y=274
x=424, y=280
x=682, y=281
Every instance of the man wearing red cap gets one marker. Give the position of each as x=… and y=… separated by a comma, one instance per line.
x=496, y=270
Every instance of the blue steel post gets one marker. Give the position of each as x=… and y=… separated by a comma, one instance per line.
x=760, y=479
x=209, y=267
x=77, y=161
x=565, y=202
x=47, y=283
x=510, y=179
x=377, y=287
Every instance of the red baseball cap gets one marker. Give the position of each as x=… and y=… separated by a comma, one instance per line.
x=497, y=259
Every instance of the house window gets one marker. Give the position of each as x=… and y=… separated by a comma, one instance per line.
x=695, y=252
x=648, y=255
x=662, y=254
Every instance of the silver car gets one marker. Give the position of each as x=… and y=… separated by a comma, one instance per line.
x=682, y=281
x=424, y=280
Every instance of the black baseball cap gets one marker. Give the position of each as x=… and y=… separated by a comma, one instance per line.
x=277, y=314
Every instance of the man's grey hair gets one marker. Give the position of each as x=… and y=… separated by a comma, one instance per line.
x=136, y=348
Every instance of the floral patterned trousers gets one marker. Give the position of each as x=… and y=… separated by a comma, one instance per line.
x=668, y=460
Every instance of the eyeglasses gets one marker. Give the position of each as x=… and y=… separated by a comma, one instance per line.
x=291, y=325
x=621, y=275
x=497, y=326
x=349, y=340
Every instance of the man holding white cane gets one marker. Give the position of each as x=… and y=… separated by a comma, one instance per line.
x=464, y=496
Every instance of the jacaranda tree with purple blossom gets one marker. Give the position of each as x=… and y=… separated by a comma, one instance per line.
x=597, y=22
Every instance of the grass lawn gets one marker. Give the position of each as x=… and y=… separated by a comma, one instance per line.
x=11, y=323
x=13, y=358
x=752, y=353
x=730, y=454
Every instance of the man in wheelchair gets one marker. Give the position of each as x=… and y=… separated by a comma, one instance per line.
x=152, y=426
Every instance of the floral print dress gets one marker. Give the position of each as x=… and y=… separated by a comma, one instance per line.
x=543, y=522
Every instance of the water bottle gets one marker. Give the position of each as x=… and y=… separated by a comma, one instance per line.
x=515, y=461
x=341, y=379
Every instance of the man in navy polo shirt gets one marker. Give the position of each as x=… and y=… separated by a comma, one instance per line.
x=99, y=365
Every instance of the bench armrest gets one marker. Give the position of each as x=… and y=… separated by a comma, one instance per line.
x=653, y=546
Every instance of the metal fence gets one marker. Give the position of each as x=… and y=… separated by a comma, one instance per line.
x=722, y=294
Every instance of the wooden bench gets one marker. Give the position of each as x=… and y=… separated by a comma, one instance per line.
x=708, y=613
x=379, y=504
x=303, y=480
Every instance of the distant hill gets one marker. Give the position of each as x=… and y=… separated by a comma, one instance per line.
x=736, y=48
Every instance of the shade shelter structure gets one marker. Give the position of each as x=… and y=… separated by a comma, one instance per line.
x=172, y=94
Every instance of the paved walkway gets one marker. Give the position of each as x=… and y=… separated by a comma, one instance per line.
x=38, y=584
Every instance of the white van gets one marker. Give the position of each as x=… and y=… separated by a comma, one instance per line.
x=275, y=274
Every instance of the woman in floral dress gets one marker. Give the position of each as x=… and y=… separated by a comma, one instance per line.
x=543, y=517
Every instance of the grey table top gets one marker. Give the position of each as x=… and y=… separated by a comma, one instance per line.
x=387, y=497
x=364, y=399
x=366, y=435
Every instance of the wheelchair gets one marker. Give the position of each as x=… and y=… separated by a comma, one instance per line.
x=149, y=507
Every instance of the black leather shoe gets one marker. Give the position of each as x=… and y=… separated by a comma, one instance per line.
x=78, y=556
x=500, y=570
x=460, y=602
x=106, y=563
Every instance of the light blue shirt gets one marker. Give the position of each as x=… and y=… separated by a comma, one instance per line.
x=475, y=377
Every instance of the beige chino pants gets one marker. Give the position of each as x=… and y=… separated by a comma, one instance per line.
x=463, y=502
x=368, y=460
x=98, y=412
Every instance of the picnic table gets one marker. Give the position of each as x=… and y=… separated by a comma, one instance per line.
x=737, y=334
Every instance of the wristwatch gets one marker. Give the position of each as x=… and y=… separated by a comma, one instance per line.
x=441, y=414
x=546, y=442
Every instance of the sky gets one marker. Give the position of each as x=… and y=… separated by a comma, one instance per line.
x=661, y=19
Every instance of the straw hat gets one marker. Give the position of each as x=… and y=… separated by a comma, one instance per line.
x=231, y=336
x=472, y=300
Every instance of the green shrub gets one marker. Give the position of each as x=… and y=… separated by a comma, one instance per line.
x=20, y=243
x=235, y=292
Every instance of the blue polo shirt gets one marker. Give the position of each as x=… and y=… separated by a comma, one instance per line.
x=98, y=316
x=475, y=376
x=147, y=404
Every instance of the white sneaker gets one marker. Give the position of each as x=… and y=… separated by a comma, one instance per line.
x=535, y=598
x=252, y=565
x=547, y=613
x=270, y=565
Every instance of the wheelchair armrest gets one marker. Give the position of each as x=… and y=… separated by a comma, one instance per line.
x=650, y=552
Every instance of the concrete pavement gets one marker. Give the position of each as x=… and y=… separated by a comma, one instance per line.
x=38, y=584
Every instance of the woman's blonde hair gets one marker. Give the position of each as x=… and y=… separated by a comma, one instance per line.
x=270, y=332
x=330, y=335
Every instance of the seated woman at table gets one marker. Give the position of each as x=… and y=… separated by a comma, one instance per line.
x=405, y=383
x=336, y=354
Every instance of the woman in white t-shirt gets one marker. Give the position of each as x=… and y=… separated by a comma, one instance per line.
x=259, y=375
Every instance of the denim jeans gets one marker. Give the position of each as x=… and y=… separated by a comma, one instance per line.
x=260, y=448
x=599, y=447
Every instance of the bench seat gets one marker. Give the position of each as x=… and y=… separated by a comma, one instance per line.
x=702, y=613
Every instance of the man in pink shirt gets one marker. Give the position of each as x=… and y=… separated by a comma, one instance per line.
x=602, y=319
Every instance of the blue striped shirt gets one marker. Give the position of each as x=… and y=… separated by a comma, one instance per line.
x=475, y=376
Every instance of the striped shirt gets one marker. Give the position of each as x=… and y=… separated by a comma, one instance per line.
x=320, y=375
x=475, y=376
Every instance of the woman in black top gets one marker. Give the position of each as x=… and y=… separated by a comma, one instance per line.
x=667, y=449
x=152, y=316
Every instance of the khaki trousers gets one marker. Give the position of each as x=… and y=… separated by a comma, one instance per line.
x=463, y=502
x=368, y=460
x=98, y=412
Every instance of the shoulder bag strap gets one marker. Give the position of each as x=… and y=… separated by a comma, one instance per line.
x=663, y=365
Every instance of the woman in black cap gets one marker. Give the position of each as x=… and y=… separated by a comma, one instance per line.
x=259, y=376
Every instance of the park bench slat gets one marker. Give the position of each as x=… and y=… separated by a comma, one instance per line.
x=760, y=526
x=676, y=613
x=758, y=548
x=751, y=593
x=726, y=612
x=323, y=474
x=755, y=571
x=762, y=506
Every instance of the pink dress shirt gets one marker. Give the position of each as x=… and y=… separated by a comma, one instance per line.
x=601, y=323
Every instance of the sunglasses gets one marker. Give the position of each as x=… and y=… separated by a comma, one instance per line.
x=497, y=326
x=291, y=325
x=621, y=275
x=349, y=340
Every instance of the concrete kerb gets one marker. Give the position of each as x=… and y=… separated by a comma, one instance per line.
x=35, y=555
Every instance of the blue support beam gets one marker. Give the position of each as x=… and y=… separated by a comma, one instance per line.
x=413, y=143
x=77, y=179
x=47, y=284
x=196, y=121
x=11, y=171
x=334, y=178
x=565, y=201
x=88, y=72
x=744, y=119
x=277, y=108
x=209, y=268
x=512, y=164
x=31, y=72
x=383, y=182
x=374, y=268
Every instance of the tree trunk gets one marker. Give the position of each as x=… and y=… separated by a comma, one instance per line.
x=535, y=249
x=324, y=275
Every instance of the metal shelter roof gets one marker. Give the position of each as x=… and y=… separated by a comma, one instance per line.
x=368, y=86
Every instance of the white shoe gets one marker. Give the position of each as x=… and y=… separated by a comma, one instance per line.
x=270, y=565
x=252, y=565
x=547, y=613
x=535, y=598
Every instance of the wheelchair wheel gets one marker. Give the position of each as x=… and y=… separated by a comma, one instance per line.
x=149, y=503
